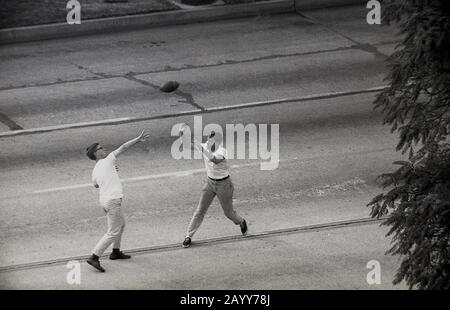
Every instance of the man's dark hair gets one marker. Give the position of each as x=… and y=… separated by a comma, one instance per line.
x=90, y=151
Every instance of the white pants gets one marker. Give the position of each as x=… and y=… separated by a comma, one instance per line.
x=224, y=191
x=116, y=225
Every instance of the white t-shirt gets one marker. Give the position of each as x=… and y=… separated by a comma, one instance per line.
x=220, y=170
x=105, y=175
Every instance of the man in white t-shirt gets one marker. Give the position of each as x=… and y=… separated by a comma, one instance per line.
x=218, y=183
x=106, y=178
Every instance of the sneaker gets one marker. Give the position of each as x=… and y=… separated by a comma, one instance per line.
x=118, y=255
x=95, y=262
x=187, y=242
x=243, y=227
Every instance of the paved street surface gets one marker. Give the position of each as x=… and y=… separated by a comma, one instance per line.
x=331, y=151
x=327, y=259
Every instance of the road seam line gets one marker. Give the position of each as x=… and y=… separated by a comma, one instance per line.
x=136, y=179
x=101, y=76
x=205, y=242
x=357, y=45
x=182, y=173
x=12, y=125
x=126, y=120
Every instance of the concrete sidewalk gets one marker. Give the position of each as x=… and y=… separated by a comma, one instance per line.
x=323, y=259
x=186, y=14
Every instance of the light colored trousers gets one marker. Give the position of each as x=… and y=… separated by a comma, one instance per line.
x=116, y=225
x=224, y=191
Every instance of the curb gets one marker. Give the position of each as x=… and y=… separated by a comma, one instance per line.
x=177, y=17
x=114, y=24
x=323, y=4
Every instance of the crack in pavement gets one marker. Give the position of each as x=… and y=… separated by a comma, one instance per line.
x=371, y=50
x=58, y=82
x=12, y=125
x=100, y=76
x=188, y=98
x=83, y=68
x=365, y=47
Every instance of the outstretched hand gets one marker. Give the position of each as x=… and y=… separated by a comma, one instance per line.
x=130, y=143
x=143, y=136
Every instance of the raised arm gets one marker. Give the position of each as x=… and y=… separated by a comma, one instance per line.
x=197, y=145
x=130, y=143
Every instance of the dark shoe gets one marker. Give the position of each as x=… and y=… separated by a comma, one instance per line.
x=95, y=262
x=187, y=242
x=243, y=227
x=117, y=254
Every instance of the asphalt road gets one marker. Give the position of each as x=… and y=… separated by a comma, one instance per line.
x=330, y=150
x=324, y=259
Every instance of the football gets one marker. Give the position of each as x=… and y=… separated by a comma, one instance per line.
x=169, y=87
